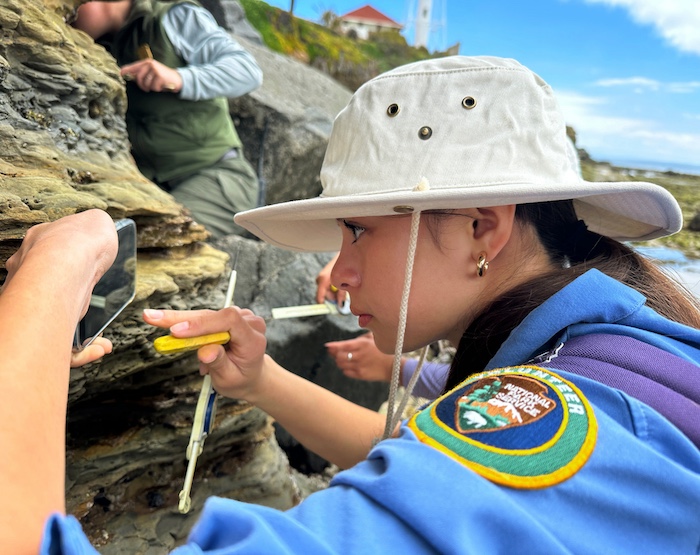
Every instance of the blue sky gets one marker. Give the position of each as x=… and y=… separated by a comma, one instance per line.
x=626, y=72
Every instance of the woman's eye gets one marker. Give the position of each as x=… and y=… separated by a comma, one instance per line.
x=356, y=230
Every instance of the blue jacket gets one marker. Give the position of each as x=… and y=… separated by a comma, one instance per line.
x=579, y=467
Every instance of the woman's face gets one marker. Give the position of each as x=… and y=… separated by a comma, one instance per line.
x=99, y=18
x=371, y=267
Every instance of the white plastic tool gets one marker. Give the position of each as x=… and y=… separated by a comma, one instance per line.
x=311, y=309
x=203, y=420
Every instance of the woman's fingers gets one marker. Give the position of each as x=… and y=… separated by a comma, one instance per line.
x=168, y=318
x=234, y=367
x=190, y=323
x=211, y=357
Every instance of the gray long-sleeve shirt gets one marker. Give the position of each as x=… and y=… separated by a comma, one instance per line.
x=216, y=64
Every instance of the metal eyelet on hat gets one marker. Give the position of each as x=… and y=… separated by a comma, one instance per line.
x=403, y=209
x=468, y=102
x=393, y=110
x=425, y=132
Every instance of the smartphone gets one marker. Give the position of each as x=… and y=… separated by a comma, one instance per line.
x=114, y=291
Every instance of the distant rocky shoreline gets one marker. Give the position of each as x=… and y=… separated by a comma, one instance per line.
x=684, y=187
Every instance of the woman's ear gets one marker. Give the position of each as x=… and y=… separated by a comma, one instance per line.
x=493, y=227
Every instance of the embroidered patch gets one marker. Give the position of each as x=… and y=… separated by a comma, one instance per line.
x=523, y=427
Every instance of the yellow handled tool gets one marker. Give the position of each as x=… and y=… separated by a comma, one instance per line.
x=168, y=344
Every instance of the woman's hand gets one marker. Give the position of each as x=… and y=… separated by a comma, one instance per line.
x=47, y=289
x=153, y=76
x=236, y=368
x=359, y=358
x=336, y=429
x=325, y=289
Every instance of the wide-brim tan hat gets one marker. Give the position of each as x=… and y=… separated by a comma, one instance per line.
x=455, y=132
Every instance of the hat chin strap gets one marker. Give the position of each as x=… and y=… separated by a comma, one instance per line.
x=393, y=414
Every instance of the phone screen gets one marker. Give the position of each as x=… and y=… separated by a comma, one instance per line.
x=114, y=291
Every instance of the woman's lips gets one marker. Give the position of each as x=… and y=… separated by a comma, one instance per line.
x=363, y=320
x=362, y=317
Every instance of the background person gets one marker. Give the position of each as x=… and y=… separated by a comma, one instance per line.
x=180, y=68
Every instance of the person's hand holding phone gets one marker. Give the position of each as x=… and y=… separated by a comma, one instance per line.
x=113, y=292
x=98, y=348
x=48, y=288
x=94, y=231
x=95, y=237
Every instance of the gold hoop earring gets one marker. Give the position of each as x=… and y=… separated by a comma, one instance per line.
x=482, y=265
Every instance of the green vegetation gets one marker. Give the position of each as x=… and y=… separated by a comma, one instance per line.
x=265, y=19
x=350, y=61
x=686, y=189
x=389, y=50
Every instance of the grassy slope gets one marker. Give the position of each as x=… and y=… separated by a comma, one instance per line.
x=350, y=61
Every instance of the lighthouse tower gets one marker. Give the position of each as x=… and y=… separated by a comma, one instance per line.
x=423, y=23
x=428, y=23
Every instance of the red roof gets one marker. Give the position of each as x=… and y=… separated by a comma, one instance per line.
x=367, y=14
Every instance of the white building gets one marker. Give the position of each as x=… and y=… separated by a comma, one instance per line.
x=363, y=21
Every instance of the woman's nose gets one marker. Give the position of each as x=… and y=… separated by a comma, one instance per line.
x=344, y=274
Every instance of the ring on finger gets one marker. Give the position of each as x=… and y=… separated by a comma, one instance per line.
x=349, y=356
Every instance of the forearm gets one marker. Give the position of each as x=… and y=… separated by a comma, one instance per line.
x=35, y=340
x=431, y=380
x=325, y=423
x=216, y=64
x=47, y=289
x=231, y=77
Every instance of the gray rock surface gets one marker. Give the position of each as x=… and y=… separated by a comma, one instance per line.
x=287, y=122
x=231, y=16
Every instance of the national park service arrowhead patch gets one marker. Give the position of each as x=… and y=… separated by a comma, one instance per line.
x=523, y=427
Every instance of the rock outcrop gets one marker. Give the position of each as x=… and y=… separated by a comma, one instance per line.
x=65, y=149
x=286, y=123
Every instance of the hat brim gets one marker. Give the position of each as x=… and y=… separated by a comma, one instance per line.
x=626, y=211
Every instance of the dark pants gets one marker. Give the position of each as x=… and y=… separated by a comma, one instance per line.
x=214, y=194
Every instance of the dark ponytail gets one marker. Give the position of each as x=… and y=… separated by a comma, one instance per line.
x=573, y=250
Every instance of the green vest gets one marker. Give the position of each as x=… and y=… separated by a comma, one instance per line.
x=170, y=137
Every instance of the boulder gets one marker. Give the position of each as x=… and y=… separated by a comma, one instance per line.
x=286, y=123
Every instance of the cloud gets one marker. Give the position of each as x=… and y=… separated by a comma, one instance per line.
x=581, y=113
x=689, y=87
x=643, y=84
x=624, y=138
x=677, y=21
x=669, y=143
x=638, y=82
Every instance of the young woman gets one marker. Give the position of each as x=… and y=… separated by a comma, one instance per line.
x=569, y=423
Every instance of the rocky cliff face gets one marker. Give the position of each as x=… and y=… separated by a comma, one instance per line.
x=65, y=149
